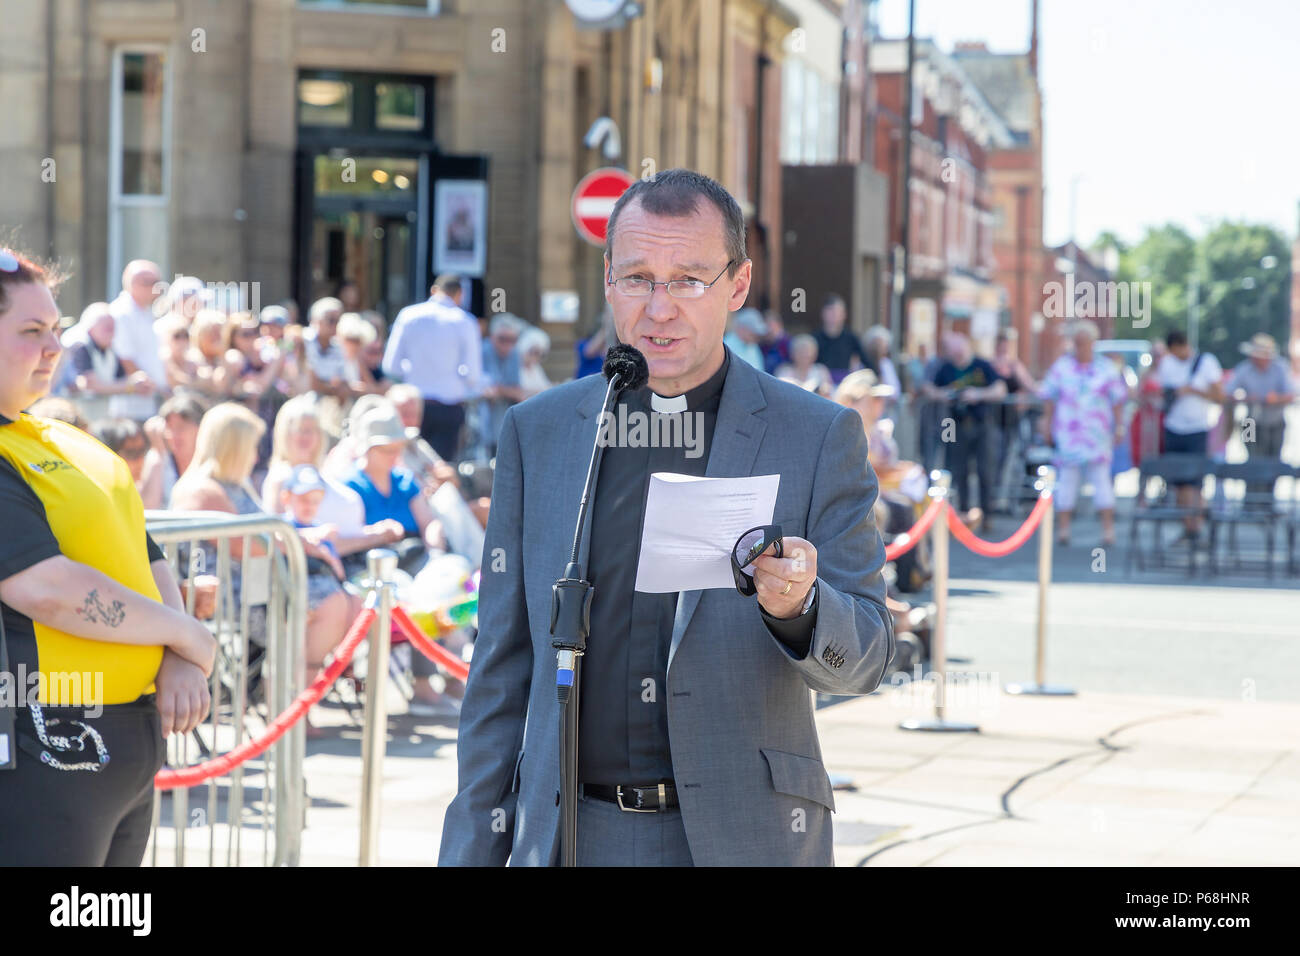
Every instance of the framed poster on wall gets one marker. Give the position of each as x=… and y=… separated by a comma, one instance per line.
x=460, y=226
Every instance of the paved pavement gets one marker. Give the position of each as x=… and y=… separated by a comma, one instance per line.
x=1182, y=746
x=1101, y=778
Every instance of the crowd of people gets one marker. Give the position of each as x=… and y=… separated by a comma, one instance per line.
x=351, y=427
x=346, y=426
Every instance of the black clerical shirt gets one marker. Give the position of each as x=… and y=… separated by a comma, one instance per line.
x=623, y=737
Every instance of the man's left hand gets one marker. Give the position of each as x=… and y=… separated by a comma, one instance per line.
x=783, y=583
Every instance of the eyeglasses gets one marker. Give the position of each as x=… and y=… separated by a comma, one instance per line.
x=677, y=288
x=134, y=452
x=748, y=547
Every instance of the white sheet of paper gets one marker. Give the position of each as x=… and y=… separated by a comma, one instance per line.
x=691, y=525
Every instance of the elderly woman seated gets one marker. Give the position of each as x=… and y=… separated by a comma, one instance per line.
x=388, y=491
x=865, y=394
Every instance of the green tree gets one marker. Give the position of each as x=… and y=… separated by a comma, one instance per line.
x=1244, y=273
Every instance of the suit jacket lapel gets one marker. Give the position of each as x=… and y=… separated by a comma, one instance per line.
x=737, y=434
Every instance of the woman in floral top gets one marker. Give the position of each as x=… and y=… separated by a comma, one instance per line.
x=1084, y=396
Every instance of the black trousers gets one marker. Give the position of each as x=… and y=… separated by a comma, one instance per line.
x=441, y=425
x=974, y=445
x=78, y=817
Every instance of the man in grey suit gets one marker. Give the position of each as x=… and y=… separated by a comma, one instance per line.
x=698, y=743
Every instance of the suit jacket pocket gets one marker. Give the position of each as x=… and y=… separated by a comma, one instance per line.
x=800, y=776
x=519, y=766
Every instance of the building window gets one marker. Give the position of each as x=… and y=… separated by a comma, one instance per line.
x=399, y=106
x=323, y=102
x=139, y=160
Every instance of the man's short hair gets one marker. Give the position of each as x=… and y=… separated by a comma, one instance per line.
x=321, y=306
x=505, y=321
x=833, y=299
x=186, y=406
x=449, y=283
x=115, y=432
x=676, y=193
x=404, y=392
x=1176, y=337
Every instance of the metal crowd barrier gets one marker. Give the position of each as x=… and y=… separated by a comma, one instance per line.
x=255, y=814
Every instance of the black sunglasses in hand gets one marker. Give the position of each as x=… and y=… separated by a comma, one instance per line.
x=748, y=547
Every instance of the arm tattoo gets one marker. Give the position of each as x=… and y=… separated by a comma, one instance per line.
x=95, y=611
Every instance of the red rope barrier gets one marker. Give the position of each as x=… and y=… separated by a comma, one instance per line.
x=908, y=540
x=435, y=652
x=217, y=766
x=998, y=549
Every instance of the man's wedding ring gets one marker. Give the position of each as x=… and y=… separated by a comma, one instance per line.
x=788, y=585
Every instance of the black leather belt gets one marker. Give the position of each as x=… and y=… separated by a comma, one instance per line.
x=648, y=799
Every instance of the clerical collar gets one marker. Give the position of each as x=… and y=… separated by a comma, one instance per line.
x=696, y=396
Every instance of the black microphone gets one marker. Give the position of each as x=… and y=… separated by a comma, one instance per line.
x=628, y=364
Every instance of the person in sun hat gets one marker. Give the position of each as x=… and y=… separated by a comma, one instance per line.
x=1263, y=381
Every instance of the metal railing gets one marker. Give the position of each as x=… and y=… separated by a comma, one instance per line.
x=253, y=680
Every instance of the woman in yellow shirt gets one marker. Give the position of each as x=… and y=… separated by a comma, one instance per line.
x=98, y=660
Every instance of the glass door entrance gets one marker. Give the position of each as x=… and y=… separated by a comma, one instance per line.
x=364, y=218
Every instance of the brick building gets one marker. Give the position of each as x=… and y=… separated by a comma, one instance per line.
x=1009, y=84
x=294, y=143
x=954, y=131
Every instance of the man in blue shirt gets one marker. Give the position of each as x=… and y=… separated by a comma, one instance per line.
x=500, y=378
x=435, y=346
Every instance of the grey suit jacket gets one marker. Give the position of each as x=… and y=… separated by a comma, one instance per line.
x=746, y=758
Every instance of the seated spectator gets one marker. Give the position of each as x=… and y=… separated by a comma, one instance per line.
x=534, y=344
x=126, y=439
x=172, y=433
x=214, y=374
x=501, y=387
x=865, y=394
x=372, y=354
x=803, y=369
x=391, y=493
x=61, y=410
x=354, y=335
x=326, y=365
x=218, y=480
x=300, y=501
x=100, y=379
x=776, y=343
x=747, y=331
x=299, y=440
x=174, y=346
x=277, y=328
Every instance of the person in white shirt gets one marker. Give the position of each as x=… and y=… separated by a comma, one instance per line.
x=533, y=346
x=435, y=345
x=1192, y=391
x=325, y=359
x=134, y=341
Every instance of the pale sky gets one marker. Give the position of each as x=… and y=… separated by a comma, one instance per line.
x=1179, y=111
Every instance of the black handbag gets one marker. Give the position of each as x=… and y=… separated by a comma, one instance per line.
x=1171, y=394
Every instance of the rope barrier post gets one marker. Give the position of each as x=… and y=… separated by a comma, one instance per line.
x=380, y=565
x=1046, y=487
x=940, y=484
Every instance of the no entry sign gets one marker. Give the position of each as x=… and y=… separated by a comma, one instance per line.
x=593, y=201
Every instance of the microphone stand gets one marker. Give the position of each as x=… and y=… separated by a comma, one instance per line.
x=570, y=624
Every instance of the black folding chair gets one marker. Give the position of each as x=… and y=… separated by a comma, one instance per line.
x=1291, y=521
x=1255, y=507
x=1157, y=504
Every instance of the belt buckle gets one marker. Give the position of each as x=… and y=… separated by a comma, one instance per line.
x=618, y=792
